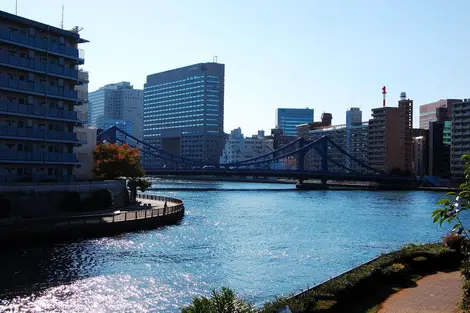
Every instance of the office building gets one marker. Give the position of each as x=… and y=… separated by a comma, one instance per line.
x=439, y=148
x=428, y=112
x=460, y=138
x=238, y=148
x=119, y=102
x=390, y=136
x=288, y=119
x=39, y=72
x=184, y=112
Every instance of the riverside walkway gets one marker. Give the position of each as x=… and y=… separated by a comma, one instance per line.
x=438, y=293
x=149, y=213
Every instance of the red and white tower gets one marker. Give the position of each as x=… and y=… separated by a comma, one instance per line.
x=384, y=92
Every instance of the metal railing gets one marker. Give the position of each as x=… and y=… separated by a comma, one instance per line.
x=47, y=223
x=56, y=157
x=38, y=110
x=175, y=206
x=37, y=65
x=39, y=43
x=37, y=133
x=36, y=87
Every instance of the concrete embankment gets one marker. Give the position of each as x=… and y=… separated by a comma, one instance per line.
x=376, y=187
x=150, y=213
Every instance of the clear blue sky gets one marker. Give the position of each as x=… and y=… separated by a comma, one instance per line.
x=328, y=55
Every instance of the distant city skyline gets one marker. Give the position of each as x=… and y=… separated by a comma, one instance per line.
x=328, y=56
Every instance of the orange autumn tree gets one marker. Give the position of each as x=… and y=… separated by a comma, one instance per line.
x=120, y=161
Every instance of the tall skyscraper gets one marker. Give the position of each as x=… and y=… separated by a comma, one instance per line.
x=119, y=103
x=460, y=140
x=38, y=74
x=288, y=119
x=184, y=112
x=428, y=112
x=390, y=136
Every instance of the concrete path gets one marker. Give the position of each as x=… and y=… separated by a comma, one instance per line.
x=438, y=293
x=154, y=203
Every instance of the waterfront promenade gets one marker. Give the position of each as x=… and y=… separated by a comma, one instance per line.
x=149, y=212
x=438, y=293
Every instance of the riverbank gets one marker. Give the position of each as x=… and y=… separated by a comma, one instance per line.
x=377, y=279
x=227, y=179
x=151, y=212
x=372, y=187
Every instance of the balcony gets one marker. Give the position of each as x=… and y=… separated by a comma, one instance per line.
x=36, y=157
x=39, y=111
x=37, y=134
x=12, y=178
x=40, y=44
x=38, y=89
x=35, y=65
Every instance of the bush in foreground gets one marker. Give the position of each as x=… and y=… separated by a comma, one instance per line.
x=223, y=301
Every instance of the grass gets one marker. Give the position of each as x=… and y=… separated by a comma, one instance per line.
x=364, y=288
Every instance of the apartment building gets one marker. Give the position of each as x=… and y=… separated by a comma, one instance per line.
x=239, y=148
x=390, y=136
x=39, y=72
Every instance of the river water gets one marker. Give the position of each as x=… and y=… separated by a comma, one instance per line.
x=263, y=240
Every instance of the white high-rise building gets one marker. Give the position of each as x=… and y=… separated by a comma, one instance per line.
x=238, y=148
x=117, y=102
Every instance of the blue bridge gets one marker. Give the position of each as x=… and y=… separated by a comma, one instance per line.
x=328, y=167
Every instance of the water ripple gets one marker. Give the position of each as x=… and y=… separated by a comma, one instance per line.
x=262, y=243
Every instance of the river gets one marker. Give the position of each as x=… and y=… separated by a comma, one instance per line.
x=263, y=240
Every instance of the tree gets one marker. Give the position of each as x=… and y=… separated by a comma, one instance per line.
x=455, y=204
x=117, y=161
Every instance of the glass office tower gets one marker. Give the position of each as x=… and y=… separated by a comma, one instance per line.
x=288, y=119
x=184, y=112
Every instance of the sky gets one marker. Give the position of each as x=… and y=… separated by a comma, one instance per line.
x=328, y=55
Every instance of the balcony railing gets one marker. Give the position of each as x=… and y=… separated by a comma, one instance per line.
x=39, y=110
x=36, y=133
x=35, y=87
x=37, y=65
x=12, y=178
x=33, y=156
x=39, y=43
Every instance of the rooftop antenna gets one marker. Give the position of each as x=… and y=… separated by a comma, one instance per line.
x=62, y=22
x=16, y=7
x=214, y=59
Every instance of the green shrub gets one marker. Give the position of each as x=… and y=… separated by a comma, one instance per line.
x=420, y=259
x=465, y=296
x=223, y=301
x=305, y=304
x=395, y=268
